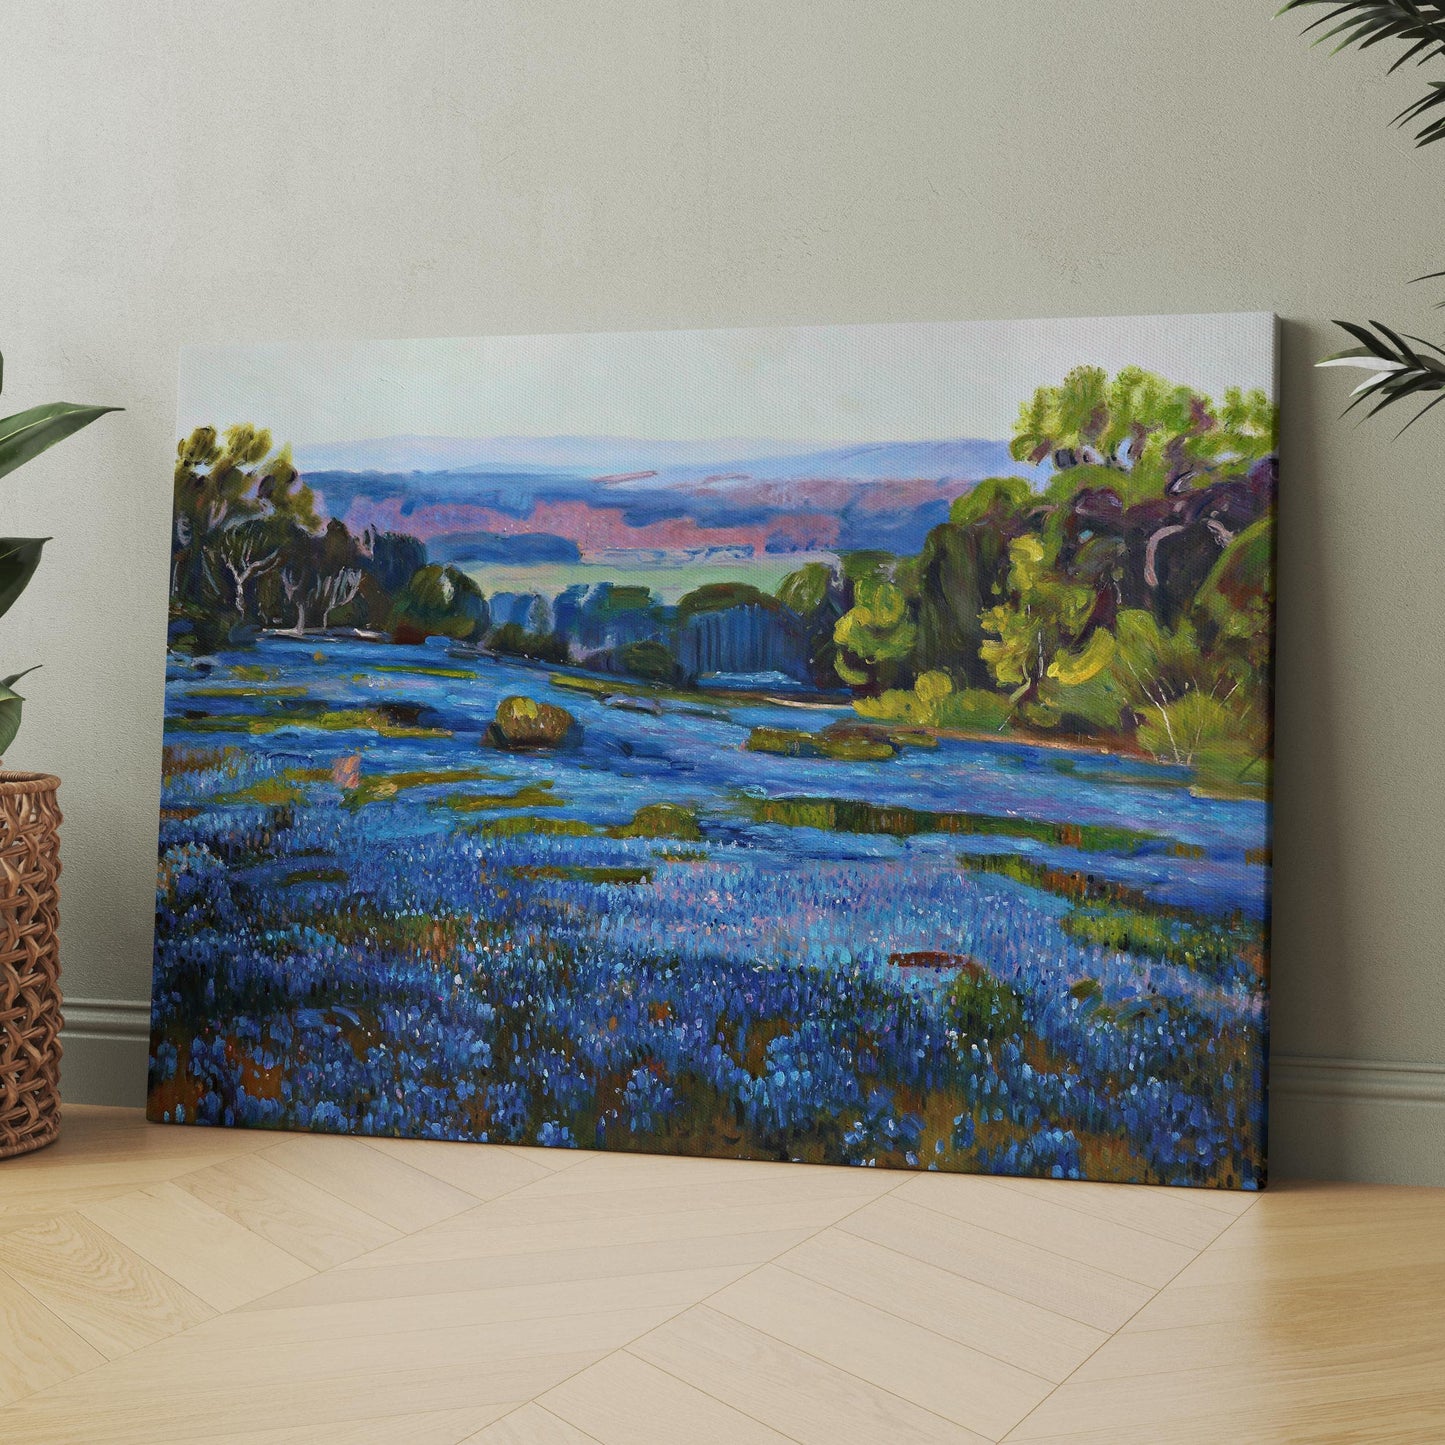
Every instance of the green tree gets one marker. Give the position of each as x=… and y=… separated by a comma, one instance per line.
x=1188, y=704
x=1042, y=631
x=815, y=594
x=237, y=503
x=876, y=636
x=439, y=602
x=1141, y=435
x=960, y=570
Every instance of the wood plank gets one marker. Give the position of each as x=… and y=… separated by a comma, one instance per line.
x=306, y=1221
x=1173, y=1214
x=1366, y=1296
x=531, y=1425
x=803, y=1397
x=1103, y=1243
x=606, y=1172
x=552, y=1160
x=207, y=1253
x=72, y=1184
x=622, y=1400
x=1038, y=1340
x=150, y=1416
x=1314, y=1252
x=541, y=1266
x=555, y=1202
x=434, y=1427
x=37, y=1347
x=90, y=1131
x=964, y=1385
x=111, y=1297
x=1198, y=1404
x=1065, y=1286
x=192, y=1365
x=482, y=1170
x=490, y=1230
x=371, y=1180
x=668, y=1290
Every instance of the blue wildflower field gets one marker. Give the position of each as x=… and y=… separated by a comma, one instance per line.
x=979, y=955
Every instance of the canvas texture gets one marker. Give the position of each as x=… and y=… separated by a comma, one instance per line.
x=845, y=745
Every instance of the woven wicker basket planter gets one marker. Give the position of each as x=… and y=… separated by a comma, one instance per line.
x=29, y=962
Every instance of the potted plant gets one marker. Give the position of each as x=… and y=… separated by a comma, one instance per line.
x=1403, y=368
x=29, y=845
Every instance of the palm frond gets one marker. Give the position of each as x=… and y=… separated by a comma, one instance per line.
x=1418, y=24
x=1398, y=371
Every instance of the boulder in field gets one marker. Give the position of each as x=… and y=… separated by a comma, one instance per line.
x=523, y=722
x=786, y=742
x=852, y=742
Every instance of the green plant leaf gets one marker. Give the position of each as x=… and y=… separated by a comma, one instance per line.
x=10, y=705
x=19, y=557
x=1418, y=24
x=1398, y=370
x=28, y=433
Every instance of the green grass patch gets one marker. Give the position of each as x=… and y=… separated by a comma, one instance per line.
x=849, y=745
x=1122, y=919
x=982, y=1007
x=528, y=825
x=420, y=670
x=330, y=720
x=661, y=820
x=282, y=790
x=243, y=690
x=851, y=815
x=316, y=875
x=378, y=787
x=1207, y=947
x=584, y=873
x=530, y=795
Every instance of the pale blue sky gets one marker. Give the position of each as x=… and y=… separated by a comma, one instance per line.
x=827, y=385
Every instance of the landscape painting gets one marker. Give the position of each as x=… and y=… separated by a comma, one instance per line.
x=845, y=745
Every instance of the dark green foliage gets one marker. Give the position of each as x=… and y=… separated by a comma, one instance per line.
x=511, y=639
x=719, y=597
x=439, y=602
x=649, y=660
x=817, y=594
x=19, y=557
x=395, y=558
x=959, y=570
x=28, y=433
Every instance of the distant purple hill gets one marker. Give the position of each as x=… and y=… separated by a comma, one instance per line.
x=473, y=500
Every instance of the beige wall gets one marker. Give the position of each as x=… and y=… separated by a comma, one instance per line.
x=191, y=171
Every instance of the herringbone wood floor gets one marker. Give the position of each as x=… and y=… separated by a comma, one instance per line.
x=174, y=1284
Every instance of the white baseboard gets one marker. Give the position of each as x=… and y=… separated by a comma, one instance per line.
x=1301, y=1076
x=1365, y=1120
x=1357, y=1119
x=107, y=1018
x=106, y=1044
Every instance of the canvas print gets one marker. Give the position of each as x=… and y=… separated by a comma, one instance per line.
x=846, y=745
